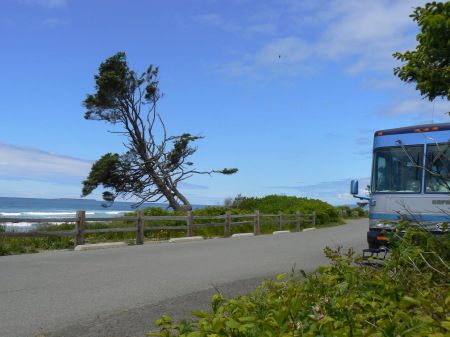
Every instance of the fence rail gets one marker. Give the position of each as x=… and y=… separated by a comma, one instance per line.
x=80, y=221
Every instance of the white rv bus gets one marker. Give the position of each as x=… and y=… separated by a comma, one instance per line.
x=410, y=177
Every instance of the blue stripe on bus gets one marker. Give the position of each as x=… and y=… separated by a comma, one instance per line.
x=419, y=217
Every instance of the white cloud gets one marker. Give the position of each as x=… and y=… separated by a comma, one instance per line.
x=287, y=56
x=360, y=34
x=334, y=192
x=288, y=49
x=422, y=110
x=30, y=172
x=364, y=34
x=19, y=162
x=365, y=26
x=41, y=189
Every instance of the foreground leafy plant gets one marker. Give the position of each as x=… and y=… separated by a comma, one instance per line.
x=408, y=296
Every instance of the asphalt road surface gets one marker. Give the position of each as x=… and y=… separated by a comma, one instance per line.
x=122, y=291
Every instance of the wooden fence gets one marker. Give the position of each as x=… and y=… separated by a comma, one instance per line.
x=80, y=221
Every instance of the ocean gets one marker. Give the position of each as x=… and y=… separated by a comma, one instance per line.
x=21, y=208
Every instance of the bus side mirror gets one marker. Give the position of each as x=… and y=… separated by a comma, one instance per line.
x=354, y=187
x=354, y=191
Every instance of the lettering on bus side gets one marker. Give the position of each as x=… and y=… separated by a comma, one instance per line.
x=441, y=202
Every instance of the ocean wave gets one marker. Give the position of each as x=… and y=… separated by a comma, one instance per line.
x=54, y=215
x=24, y=226
x=39, y=214
x=42, y=216
x=17, y=225
x=48, y=213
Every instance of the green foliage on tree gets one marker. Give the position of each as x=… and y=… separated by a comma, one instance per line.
x=429, y=65
x=150, y=169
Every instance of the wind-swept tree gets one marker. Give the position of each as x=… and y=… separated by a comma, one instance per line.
x=429, y=65
x=150, y=169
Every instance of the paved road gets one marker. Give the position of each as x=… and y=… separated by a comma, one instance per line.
x=122, y=291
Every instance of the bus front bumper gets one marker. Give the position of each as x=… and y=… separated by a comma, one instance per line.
x=378, y=238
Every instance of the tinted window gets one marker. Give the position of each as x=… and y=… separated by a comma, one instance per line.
x=397, y=169
x=437, y=177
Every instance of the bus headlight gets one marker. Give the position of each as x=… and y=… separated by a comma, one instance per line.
x=385, y=225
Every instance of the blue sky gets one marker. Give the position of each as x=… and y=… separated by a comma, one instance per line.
x=288, y=91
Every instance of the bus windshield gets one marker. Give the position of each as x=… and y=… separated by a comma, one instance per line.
x=397, y=169
x=437, y=177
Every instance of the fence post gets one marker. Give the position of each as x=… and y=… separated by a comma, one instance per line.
x=257, y=229
x=279, y=220
x=80, y=225
x=140, y=228
x=297, y=222
x=190, y=223
x=314, y=218
x=227, y=224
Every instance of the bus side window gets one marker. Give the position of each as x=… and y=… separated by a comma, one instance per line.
x=380, y=179
x=438, y=168
x=397, y=170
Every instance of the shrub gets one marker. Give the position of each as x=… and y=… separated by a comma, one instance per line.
x=348, y=212
x=359, y=210
x=272, y=204
x=217, y=211
x=344, y=208
x=408, y=296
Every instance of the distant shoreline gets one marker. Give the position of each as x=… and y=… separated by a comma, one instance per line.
x=74, y=199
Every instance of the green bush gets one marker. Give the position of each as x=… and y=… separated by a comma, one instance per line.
x=157, y=234
x=212, y=211
x=272, y=204
x=408, y=296
x=344, y=211
x=348, y=212
x=359, y=210
x=159, y=211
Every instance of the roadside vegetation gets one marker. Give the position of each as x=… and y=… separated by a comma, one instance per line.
x=408, y=295
x=326, y=215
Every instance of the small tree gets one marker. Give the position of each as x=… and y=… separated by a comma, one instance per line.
x=150, y=170
x=429, y=64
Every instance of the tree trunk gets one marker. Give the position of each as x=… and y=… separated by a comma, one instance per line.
x=186, y=204
x=169, y=191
